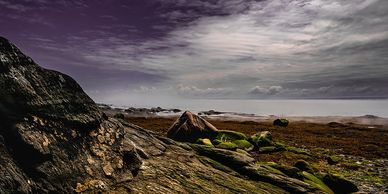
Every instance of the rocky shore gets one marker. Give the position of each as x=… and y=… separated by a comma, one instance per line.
x=55, y=139
x=359, y=147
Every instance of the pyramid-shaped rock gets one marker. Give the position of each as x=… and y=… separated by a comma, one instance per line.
x=189, y=127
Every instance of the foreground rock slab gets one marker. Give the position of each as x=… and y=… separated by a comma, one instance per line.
x=54, y=139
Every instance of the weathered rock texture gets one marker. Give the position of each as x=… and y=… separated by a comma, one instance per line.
x=189, y=127
x=53, y=139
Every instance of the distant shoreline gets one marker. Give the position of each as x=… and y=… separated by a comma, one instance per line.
x=162, y=112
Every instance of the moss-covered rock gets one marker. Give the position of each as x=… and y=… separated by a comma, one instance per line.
x=280, y=146
x=277, y=147
x=339, y=184
x=261, y=139
x=243, y=144
x=281, y=122
x=241, y=151
x=316, y=182
x=227, y=145
x=304, y=166
x=288, y=170
x=216, y=165
x=226, y=135
x=332, y=160
x=297, y=150
x=216, y=141
x=205, y=141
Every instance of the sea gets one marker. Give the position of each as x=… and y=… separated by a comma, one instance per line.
x=274, y=107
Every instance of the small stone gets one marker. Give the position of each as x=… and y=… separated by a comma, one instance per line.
x=92, y=134
x=101, y=138
x=89, y=170
x=90, y=160
x=73, y=133
x=46, y=141
x=107, y=136
x=118, y=162
x=108, y=170
x=125, y=178
x=112, y=141
x=101, y=130
x=80, y=188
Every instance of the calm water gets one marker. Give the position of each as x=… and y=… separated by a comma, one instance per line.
x=279, y=107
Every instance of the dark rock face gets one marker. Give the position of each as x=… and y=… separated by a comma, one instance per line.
x=54, y=139
x=28, y=88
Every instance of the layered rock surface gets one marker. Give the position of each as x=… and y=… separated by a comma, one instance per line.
x=189, y=127
x=54, y=139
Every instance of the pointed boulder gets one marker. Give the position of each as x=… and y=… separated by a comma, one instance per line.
x=189, y=127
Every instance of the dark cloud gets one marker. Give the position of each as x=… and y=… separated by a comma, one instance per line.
x=216, y=48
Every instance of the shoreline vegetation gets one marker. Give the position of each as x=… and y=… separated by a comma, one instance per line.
x=353, y=147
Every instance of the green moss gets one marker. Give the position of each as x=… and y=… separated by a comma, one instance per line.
x=332, y=160
x=281, y=122
x=316, y=182
x=303, y=165
x=225, y=135
x=216, y=141
x=260, y=141
x=373, y=178
x=271, y=169
x=288, y=170
x=297, y=150
x=227, y=145
x=280, y=146
x=242, y=152
x=243, y=144
x=215, y=164
x=205, y=141
x=352, y=165
x=339, y=184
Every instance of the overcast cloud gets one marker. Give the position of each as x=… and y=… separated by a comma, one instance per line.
x=209, y=49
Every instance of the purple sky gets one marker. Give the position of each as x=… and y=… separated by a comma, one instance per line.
x=122, y=49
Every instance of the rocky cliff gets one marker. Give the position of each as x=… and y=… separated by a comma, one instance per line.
x=54, y=139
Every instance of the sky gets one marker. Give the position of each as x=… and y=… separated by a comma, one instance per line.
x=219, y=49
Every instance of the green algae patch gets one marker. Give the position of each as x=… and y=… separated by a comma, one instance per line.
x=243, y=144
x=227, y=146
x=288, y=170
x=262, y=139
x=281, y=122
x=226, y=135
x=268, y=149
x=216, y=141
x=332, y=160
x=216, y=165
x=242, y=152
x=316, y=182
x=205, y=142
x=297, y=150
x=303, y=165
x=339, y=184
